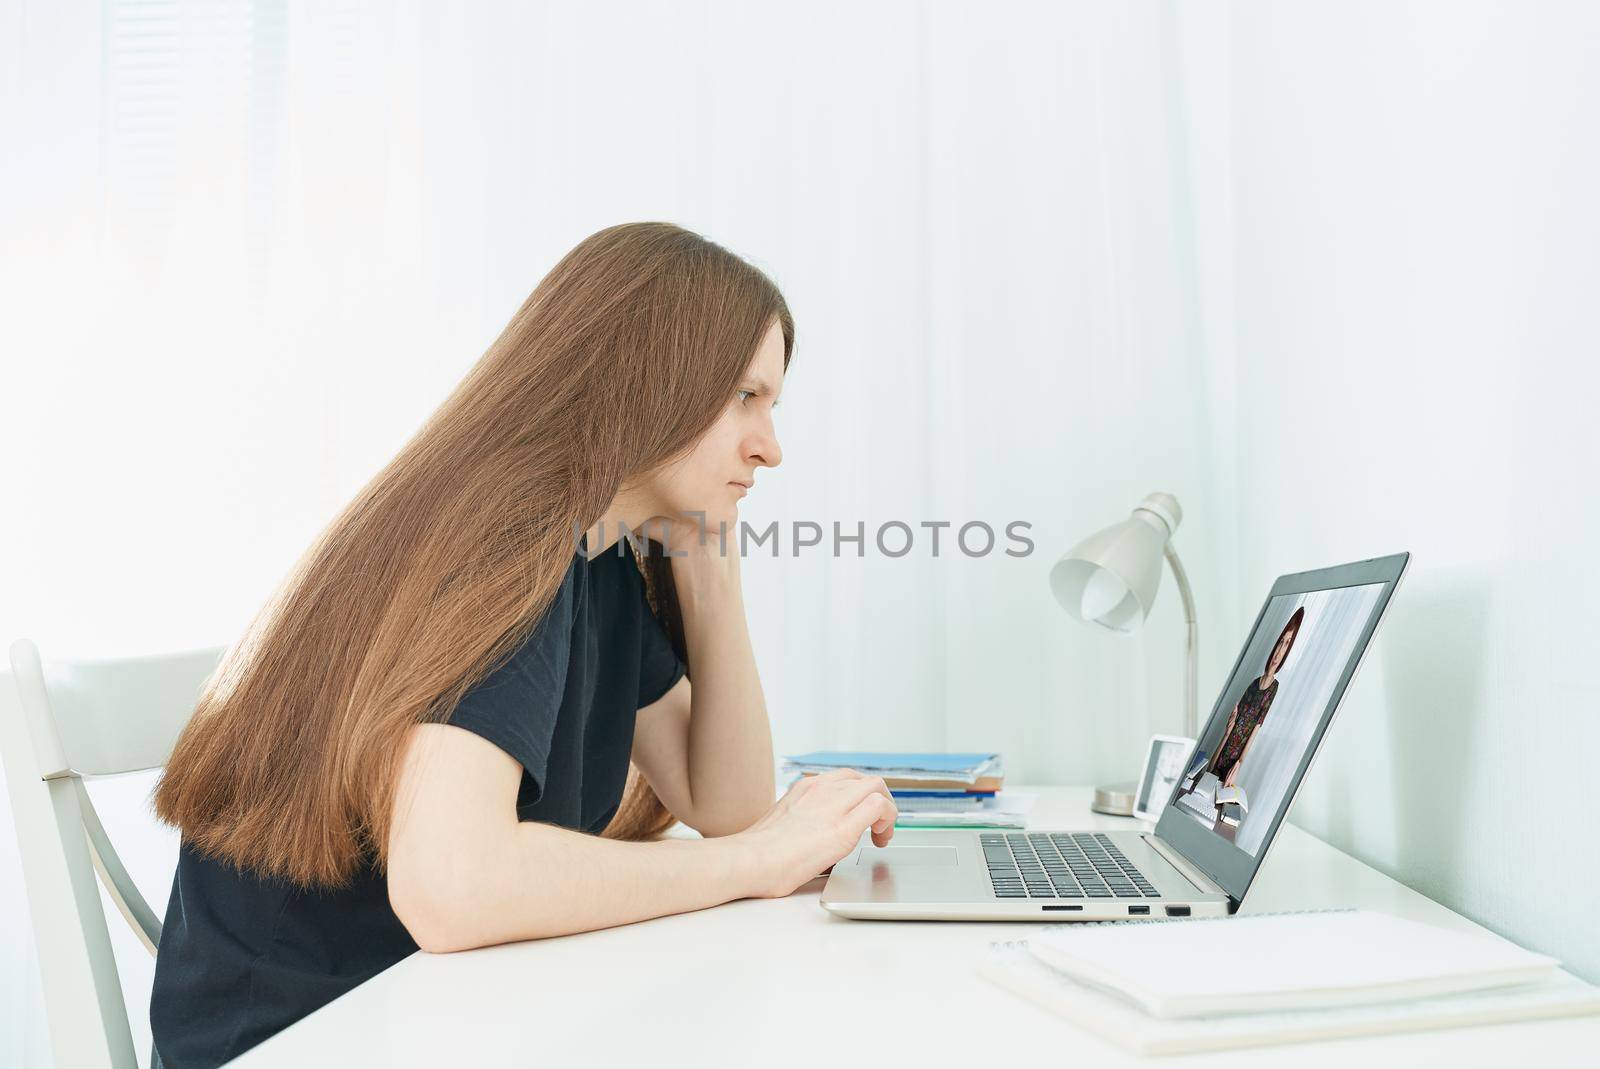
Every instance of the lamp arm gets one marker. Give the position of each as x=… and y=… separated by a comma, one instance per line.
x=1191, y=714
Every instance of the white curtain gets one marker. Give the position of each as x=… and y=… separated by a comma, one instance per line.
x=251, y=245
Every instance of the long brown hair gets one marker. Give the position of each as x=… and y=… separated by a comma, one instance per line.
x=620, y=359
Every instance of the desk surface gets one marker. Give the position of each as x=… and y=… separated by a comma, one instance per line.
x=781, y=982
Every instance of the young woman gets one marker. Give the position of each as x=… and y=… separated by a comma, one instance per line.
x=1253, y=705
x=467, y=715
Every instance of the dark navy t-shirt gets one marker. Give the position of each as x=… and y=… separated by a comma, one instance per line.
x=242, y=956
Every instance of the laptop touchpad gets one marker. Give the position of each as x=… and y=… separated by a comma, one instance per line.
x=913, y=855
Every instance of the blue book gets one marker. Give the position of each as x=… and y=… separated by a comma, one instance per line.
x=956, y=764
x=902, y=792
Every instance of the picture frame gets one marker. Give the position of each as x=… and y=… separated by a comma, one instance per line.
x=1165, y=760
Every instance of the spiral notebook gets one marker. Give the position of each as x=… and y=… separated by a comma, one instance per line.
x=1177, y=986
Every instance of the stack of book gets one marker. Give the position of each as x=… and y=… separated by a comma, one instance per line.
x=1208, y=801
x=1177, y=987
x=930, y=789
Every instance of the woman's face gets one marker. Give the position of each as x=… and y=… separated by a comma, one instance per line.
x=721, y=469
x=1279, y=652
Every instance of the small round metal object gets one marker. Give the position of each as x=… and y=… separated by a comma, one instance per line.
x=1114, y=801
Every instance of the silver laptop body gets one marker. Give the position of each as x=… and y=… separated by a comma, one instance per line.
x=1183, y=867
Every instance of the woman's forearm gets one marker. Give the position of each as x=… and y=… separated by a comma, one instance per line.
x=731, y=779
x=546, y=881
x=1237, y=765
x=1222, y=743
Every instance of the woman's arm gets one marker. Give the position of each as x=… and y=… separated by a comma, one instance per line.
x=464, y=872
x=1233, y=773
x=707, y=748
x=1233, y=718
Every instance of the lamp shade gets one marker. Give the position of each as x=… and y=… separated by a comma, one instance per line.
x=1110, y=578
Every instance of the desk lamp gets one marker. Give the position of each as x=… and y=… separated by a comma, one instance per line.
x=1110, y=579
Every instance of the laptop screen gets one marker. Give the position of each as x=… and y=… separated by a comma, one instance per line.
x=1246, y=762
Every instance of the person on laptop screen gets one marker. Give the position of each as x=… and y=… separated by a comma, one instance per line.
x=1251, y=708
x=1242, y=768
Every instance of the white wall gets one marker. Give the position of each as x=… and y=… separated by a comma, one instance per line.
x=1405, y=232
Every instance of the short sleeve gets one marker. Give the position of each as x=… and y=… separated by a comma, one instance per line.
x=659, y=666
x=516, y=706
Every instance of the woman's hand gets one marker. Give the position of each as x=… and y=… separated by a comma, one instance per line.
x=818, y=821
x=692, y=535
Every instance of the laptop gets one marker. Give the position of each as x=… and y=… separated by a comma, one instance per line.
x=1220, y=816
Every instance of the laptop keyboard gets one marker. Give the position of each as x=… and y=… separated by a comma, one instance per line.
x=1045, y=864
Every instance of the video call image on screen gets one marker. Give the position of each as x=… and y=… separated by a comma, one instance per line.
x=1244, y=762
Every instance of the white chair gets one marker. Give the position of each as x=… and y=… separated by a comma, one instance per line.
x=61, y=722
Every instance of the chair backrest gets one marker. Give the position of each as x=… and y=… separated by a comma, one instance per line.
x=60, y=722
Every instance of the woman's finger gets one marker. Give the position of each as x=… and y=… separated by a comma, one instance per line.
x=855, y=790
x=872, y=811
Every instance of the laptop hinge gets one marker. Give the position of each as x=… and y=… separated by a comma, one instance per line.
x=1179, y=862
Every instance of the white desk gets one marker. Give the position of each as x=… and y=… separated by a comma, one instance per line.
x=767, y=982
